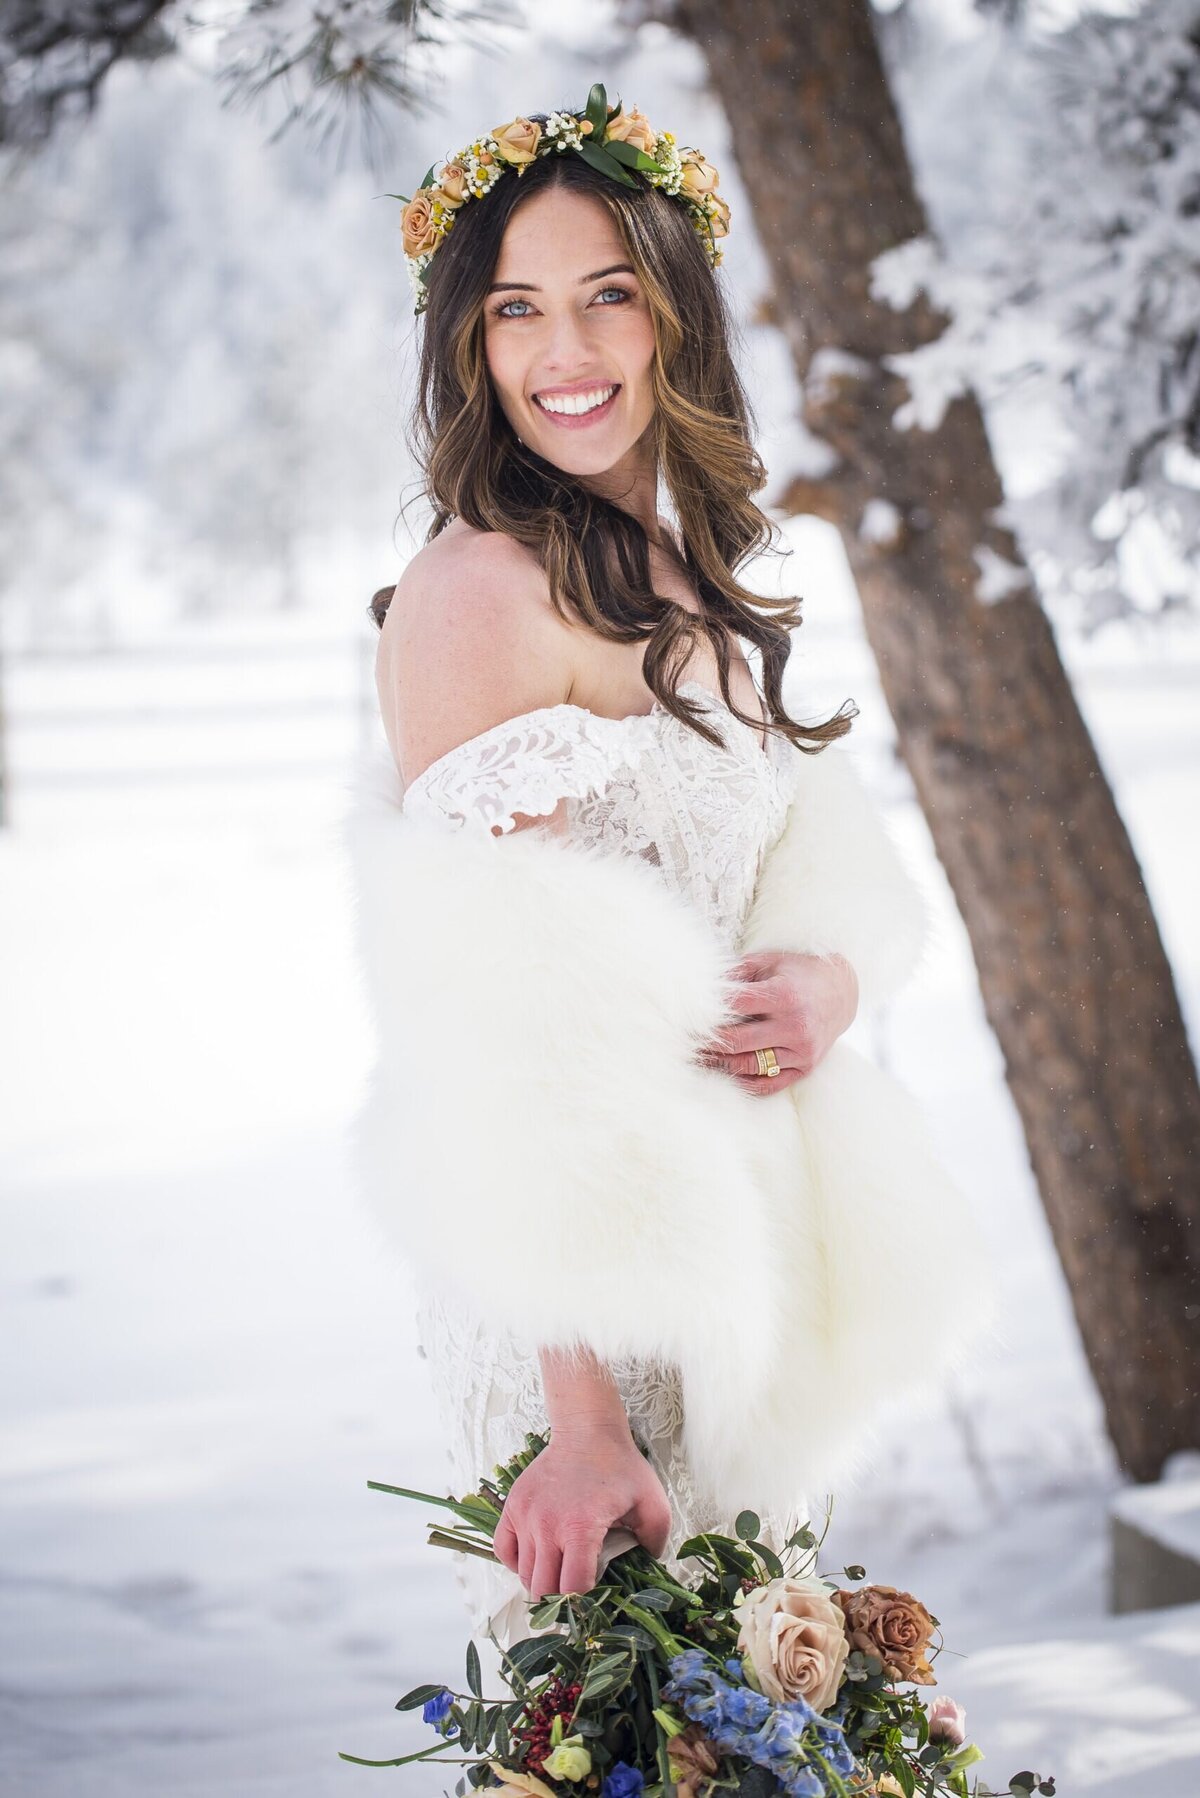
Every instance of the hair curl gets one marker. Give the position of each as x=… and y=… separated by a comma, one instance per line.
x=595, y=555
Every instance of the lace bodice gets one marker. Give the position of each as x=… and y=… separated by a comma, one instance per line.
x=646, y=785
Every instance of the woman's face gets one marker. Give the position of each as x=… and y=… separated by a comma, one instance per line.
x=566, y=320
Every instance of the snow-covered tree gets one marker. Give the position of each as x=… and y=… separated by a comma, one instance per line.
x=1066, y=258
x=191, y=331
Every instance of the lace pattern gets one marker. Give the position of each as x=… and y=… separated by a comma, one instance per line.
x=704, y=816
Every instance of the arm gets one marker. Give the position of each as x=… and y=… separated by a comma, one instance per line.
x=467, y=643
x=469, y=640
x=590, y=1476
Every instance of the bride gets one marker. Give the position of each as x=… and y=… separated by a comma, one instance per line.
x=562, y=684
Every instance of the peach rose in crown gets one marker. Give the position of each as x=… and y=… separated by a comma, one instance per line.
x=632, y=127
x=893, y=1626
x=795, y=1637
x=452, y=184
x=517, y=142
x=718, y=215
x=417, y=229
x=697, y=177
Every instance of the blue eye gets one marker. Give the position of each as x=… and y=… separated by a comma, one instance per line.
x=501, y=311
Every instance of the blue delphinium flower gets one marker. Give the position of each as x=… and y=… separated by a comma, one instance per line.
x=803, y=1782
x=434, y=1709
x=735, y=1670
x=791, y=1741
x=691, y=1668
x=746, y=1708
x=834, y=1750
x=623, y=1781
x=780, y=1738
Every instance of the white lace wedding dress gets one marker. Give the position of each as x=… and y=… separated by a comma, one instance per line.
x=645, y=785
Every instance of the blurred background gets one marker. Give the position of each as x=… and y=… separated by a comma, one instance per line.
x=206, y=359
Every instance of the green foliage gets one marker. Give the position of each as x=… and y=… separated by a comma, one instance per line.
x=616, y=1645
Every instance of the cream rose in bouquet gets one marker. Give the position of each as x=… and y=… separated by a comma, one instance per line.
x=795, y=1637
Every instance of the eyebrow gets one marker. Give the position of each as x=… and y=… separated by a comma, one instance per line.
x=617, y=268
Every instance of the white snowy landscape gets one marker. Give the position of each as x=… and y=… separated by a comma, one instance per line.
x=203, y=1358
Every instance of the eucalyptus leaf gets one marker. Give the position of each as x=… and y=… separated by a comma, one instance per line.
x=533, y=1655
x=653, y=1598
x=769, y=1559
x=418, y=1695
x=747, y=1525
x=618, y=1634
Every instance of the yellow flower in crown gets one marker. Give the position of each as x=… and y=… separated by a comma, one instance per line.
x=613, y=139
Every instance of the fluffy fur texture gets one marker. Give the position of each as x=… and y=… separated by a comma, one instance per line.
x=537, y=1134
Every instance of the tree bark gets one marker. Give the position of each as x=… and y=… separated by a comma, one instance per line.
x=1072, y=969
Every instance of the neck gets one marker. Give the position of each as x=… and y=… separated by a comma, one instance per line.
x=632, y=484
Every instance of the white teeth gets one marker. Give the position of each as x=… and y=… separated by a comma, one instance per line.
x=578, y=402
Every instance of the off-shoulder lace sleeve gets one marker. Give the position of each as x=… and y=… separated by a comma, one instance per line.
x=524, y=765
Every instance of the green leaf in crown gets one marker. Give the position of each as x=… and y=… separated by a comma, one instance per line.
x=596, y=112
x=606, y=163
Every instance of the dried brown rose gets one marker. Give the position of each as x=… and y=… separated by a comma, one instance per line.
x=893, y=1626
x=692, y=1754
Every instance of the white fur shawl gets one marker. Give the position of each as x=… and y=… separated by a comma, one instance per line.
x=537, y=1135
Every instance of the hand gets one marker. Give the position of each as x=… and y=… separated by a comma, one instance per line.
x=560, y=1509
x=797, y=1005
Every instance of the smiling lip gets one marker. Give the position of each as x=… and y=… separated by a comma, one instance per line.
x=576, y=421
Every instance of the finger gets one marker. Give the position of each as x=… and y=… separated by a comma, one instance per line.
x=747, y=1066
x=754, y=996
x=650, y=1521
x=504, y=1542
x=526, y=1556
x=581, y=1560
x=758, y=964
x=547, y=1567
x=741, y=1039
x=760, y=1087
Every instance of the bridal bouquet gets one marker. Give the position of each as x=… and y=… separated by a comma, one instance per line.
x=756, y=1677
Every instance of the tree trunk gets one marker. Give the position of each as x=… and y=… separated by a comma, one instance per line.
x=1072, y=969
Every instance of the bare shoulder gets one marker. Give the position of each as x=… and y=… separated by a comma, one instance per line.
x=470, y=639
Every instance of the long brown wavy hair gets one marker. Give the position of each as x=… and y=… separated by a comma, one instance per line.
x=595, y=555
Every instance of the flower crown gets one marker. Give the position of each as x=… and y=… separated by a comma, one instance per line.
x=609, y=138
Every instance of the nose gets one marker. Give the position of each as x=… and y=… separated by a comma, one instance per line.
x=564, y=344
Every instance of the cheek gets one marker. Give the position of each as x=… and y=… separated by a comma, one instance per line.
x=503, y=368
x=637, y=354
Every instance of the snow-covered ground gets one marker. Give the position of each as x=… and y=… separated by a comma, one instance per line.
x=203, y=1362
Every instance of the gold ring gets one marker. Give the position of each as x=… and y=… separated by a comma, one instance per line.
x=767, y=1063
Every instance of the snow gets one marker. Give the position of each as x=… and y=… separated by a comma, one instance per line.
x=881, y=523
x=1168, y=1513
x=998, y=577
x=203, y=1358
